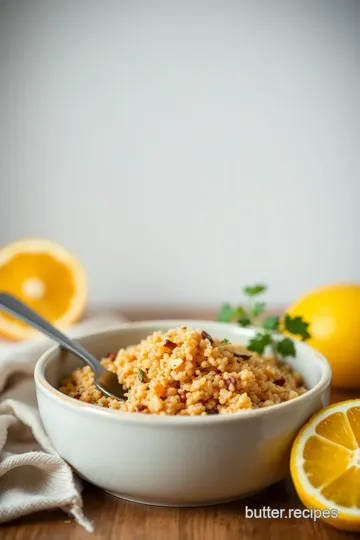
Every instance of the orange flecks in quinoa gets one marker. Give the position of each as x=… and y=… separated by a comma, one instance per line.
x=188, y=372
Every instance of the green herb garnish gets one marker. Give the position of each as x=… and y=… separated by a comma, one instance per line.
x=267, y=327
x=141, y=376
x=259, y=342
x=226, y=313
x=253, y=290
x=297, y=326
x=286, y=347
x=225, y=341
x=244, y=321
x=271, y=323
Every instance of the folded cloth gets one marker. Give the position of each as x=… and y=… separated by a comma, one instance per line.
x=33, y=476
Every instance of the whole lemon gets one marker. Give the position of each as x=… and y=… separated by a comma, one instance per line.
x=333, y=313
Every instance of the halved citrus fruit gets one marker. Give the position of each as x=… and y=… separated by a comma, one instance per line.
x=325, y=464
x=46, y=277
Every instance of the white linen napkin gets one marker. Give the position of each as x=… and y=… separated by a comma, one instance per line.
x=33, y=476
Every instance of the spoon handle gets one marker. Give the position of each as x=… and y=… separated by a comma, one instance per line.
x=18, y=309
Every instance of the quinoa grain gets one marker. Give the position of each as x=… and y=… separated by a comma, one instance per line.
x=188, y=372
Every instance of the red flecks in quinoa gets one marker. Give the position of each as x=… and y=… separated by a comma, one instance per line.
x=140, y=408
x=229, y=381
x=205, y=377
x=205, y=335
x=170, y=345
x=111, y=356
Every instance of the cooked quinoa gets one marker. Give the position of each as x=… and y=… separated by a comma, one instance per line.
x=188, y=372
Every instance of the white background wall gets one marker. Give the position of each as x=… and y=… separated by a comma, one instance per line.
x=184, y=148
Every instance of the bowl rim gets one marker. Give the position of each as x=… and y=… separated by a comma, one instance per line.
x=175, y=420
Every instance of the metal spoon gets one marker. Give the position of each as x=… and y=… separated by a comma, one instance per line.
x=104, y=380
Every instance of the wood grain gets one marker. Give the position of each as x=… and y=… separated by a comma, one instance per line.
x=115, y=519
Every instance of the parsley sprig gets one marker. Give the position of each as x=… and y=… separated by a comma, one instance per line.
x=267, y=327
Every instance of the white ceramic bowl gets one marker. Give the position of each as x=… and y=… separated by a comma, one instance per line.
x=174, y=460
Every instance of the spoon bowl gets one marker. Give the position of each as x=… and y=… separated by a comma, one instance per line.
x=175, y=460
x=104, y=380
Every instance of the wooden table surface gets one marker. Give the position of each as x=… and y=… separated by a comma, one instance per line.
x=115, y=519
